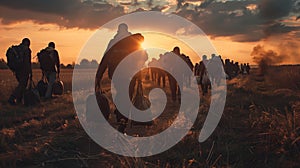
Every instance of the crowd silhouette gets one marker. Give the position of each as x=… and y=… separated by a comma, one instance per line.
x=125, y=43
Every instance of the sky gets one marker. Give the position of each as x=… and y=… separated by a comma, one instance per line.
x=235, y=27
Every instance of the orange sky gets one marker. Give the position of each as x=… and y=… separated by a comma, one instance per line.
x=69, y=42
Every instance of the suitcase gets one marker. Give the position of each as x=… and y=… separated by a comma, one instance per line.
x=42, y=86
x=31, y=95
x=58, y=87
x=141, y=102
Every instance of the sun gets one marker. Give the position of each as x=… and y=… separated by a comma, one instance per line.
x=144, y=45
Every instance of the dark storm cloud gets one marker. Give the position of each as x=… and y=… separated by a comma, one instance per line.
x=274, y=9
x=234, y=19
x=216, y=18
x=279, y=28
x=65, y=13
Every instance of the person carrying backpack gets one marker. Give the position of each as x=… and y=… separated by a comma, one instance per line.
x=19, y=61
x=50, y=66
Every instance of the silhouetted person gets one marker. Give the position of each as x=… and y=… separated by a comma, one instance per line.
x=242, y=68
x=113, y=56
x=172, y=81
x=187, y=77
x=122, y=32
x=50, y=65
x=204, y=79
x=236, y=69
x=23, y=73
x=196, y=70
x=248, y=68
x=161, y=74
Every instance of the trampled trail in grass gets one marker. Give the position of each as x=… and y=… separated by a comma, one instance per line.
x=260, y=126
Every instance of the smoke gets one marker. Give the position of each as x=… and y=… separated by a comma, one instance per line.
x=264, y=58
x=259, y=54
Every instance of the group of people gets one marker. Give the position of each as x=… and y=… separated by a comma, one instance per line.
x=215, y=65
x=21, y=55
x=232, y=68
x=165, y=61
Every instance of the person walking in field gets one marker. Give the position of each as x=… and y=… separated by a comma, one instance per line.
x=50, y=66
x=19, y=61
x=123, y=44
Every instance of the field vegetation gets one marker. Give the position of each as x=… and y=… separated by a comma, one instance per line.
x=260, y=127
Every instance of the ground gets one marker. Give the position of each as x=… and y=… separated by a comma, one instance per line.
x=259, y=128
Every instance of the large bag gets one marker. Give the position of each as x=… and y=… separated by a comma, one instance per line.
x=45, y=60
x=42, y=86
x=141, y=102
x=103, y=104
x=31, y=95
x=14, y=58
x=58, y=87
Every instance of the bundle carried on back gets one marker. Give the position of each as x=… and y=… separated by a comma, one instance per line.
x=46, y=62
x=14, y=58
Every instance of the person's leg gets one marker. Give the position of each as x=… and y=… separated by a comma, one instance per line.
x=16, y=96
x=51, y=77
x=173, y=87
x=164, y=80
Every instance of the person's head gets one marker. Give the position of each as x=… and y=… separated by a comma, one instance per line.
x=139, y=37
x=51, y=44
x=26, y=42
x=122, y=27
x=176, y=50
x=204, y=57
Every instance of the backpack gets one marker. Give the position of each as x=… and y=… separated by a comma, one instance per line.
x=46, y=62
x=14, y=58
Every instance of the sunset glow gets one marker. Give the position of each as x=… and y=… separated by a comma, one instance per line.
x=233, y=42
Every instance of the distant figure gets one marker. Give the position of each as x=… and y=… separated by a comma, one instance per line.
x=153, y=73
x=236, y=69
x=187, y=77
x=204, y=78
x=23, y=73
x=248, y=68
x=161, y=74
x=50, y=66
x=114, y=55
x=196, y=70
x=242, y=68
x=215, y=68
x=172, y=81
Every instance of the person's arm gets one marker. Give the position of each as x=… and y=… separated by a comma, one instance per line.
x=30, y=68
x=57, y=63
x=101, y=69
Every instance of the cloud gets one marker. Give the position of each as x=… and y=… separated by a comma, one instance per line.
x=215, y=18
x=242, y=23
x=279, y=28
x=274, y=9
x=65, y=13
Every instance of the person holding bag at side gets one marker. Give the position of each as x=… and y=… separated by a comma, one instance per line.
x=50, y=65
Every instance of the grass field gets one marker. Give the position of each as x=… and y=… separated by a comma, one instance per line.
x=260, y=127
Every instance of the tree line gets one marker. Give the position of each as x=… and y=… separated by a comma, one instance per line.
x=84, y=63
